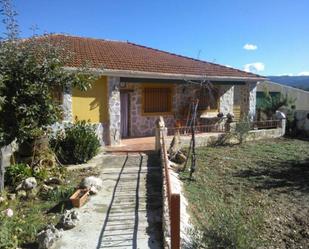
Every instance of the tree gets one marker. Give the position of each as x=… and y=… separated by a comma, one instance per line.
x=270, y=104
x=29, y=71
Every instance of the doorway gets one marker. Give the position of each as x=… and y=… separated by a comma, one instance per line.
x=124, y=114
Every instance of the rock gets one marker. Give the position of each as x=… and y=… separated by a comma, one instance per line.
x=93, y=190
x=53, y=180
x=91, y=181
x=21, y=194
x=27, y=184
x=11, y=196
x=48, y=236
x=69, y=219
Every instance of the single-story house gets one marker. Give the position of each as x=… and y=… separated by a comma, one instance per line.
x=137, y=84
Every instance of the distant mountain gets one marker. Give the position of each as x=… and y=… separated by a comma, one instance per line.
x=301, y=82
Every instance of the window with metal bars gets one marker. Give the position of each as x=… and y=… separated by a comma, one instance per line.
x=157, y=100
x=209, y=99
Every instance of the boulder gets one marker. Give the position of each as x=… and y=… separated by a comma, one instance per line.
x=69, y=219
x=48, y=236
x=27, y=184
x=91, y=181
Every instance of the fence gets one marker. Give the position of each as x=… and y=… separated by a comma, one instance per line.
x=171, y=195
x=186, y=130
x=267, y=124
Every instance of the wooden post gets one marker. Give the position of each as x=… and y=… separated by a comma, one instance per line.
x=175, y=221
x=160, y=127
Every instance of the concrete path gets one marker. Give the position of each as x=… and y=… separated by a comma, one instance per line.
x=127, y=212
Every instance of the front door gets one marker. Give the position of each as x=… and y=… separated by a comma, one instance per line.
x=125, y=113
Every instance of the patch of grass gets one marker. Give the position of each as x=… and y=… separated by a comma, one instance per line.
x=240, y=191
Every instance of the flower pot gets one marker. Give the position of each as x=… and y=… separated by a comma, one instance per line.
x=79, y=197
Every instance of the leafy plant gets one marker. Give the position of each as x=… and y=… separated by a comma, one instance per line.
x=242, y=129
x=78, y=143
x=270, y=104
x=16, y=173
x=58, y=194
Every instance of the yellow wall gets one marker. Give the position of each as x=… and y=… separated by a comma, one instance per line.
x=91, y=104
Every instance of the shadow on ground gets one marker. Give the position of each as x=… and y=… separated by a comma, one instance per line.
x=289, y=175
x=133, y=218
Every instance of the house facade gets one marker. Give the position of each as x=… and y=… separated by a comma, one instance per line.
x=137, y=84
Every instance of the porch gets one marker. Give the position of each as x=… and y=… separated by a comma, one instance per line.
x=136, y=104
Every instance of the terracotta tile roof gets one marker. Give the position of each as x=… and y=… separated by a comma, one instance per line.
x=118, y=55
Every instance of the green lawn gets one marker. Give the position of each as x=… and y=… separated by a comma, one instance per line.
x=251, y=195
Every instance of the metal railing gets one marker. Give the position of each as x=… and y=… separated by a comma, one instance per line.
x=267, y=124
x=173, y=198
x=186, y=130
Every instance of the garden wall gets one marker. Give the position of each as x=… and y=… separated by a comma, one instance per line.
x=302, y=122
x=207, y=139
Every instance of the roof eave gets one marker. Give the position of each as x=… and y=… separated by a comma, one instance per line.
x=141, y=74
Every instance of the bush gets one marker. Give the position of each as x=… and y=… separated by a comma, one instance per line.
x=62, y=193
x=78, y=143
x=16, y=173
x=242, y=129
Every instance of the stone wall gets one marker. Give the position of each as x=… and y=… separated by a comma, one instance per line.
x=113, y=110
x=67, y=105
x=248, y=99
x=143, y=125
x=302, y=121
x=226, y=98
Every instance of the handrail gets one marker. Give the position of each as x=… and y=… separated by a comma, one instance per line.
x=173, y=198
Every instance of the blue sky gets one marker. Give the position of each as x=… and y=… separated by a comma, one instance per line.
x=213, y=30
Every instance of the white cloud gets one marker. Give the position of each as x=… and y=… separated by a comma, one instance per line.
x=254, y=67
x=303, y=74
x=249, y=46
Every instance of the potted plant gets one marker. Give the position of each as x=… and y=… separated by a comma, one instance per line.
x=79, y=197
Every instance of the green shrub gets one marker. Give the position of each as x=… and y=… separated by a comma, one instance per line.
x=242, y=129
x=58, y=194
x=16, y=173
x=77, y=144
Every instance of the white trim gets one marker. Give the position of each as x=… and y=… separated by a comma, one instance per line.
x=140, y=74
